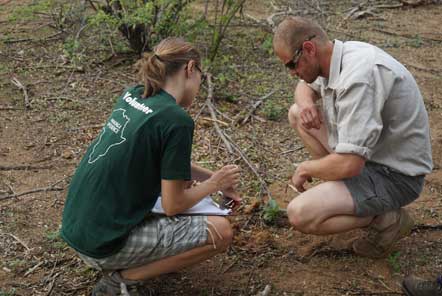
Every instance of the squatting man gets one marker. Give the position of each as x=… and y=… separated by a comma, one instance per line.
x=360, y=114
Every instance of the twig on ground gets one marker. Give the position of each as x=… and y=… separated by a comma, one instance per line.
x=19, y=241
x=52, y=284
x=215, y=120
x=20, y=85
x=23, y=167
x=427, y=227
x=209, y=105
x=32, y=269
x=251, y=166
x=50, y=37
x=45, y=189
x=265, y=292
x=256, y=105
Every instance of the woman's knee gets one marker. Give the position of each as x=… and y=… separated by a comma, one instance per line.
x=220, y=233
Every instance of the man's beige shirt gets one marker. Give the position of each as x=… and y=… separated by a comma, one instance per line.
x=373, y=108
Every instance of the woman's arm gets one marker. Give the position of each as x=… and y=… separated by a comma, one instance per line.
x=176, y=198
x=199, y=173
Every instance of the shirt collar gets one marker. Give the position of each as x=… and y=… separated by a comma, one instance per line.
x=335, y=65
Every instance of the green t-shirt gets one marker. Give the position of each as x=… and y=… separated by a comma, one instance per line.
x=119, y=179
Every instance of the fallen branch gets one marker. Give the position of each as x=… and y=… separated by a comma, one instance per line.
x=256, y=105
x=50, y=37
x=209, y=105
x=23, y=167
x=251, y=166
x=427, y=227
x=19, y=241
x=265, y=292
x=32, y=269
x=45, y=189
x=18, y=84
x=215, y=120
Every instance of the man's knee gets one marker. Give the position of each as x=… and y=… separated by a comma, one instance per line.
x=220, y=233
x=293, y=115
x=300, y=218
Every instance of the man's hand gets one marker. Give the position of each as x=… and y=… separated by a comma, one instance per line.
x=299, y=178
x=310, y=117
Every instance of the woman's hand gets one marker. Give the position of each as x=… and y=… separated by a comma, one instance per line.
x=227, y=178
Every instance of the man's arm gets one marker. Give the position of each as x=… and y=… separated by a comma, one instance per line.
x=335, y=166
x=305, y=99
x=305, y=95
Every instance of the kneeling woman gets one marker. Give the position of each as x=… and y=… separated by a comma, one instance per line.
x=144, y=150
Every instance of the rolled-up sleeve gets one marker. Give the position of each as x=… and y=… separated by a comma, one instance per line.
x=358, y=119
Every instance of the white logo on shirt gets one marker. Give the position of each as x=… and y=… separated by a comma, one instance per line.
x=113, y=133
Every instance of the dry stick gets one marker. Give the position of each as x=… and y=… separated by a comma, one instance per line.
x=427, y=227
x=32, y=269
x=51, y=286
x=19, y=241
x=405, y=35
x=50, y=37
x=23, y=167
x=251, y=166
x=18, y=84
x=213, y=115
x=256, y=105
x=45, y=189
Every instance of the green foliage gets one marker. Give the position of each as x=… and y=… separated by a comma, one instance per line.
x=271, y=211
x=393, y=260
x=224, y=14
x=416, y=42
x=30, y=11
x=273, y=110
x=144, y=23
x=267, y=44
x=7, y=293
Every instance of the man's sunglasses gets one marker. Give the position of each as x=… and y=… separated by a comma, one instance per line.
x=293, y=63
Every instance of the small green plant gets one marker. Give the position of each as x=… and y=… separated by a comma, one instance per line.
x=7, y=293
x=30, y=11
x=416, y=42
x=272, y=110
x=393, y=260
x=271, y=211
x=267, y=45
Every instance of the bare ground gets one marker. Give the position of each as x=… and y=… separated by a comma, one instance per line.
x=70, y=101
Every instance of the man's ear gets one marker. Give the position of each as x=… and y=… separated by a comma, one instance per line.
x=310, y=48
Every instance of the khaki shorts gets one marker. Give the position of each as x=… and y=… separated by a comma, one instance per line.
x=157, y=237
x=379, y=189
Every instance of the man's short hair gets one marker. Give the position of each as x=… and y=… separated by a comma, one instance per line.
x=293, y=31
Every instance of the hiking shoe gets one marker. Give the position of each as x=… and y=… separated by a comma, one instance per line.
x=113, y=284
x=414, y=286
x=378, y=243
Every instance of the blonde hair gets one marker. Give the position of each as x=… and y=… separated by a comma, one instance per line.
x=293, y=31
x=165, y=60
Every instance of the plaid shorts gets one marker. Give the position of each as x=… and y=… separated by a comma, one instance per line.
x=156, y=238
